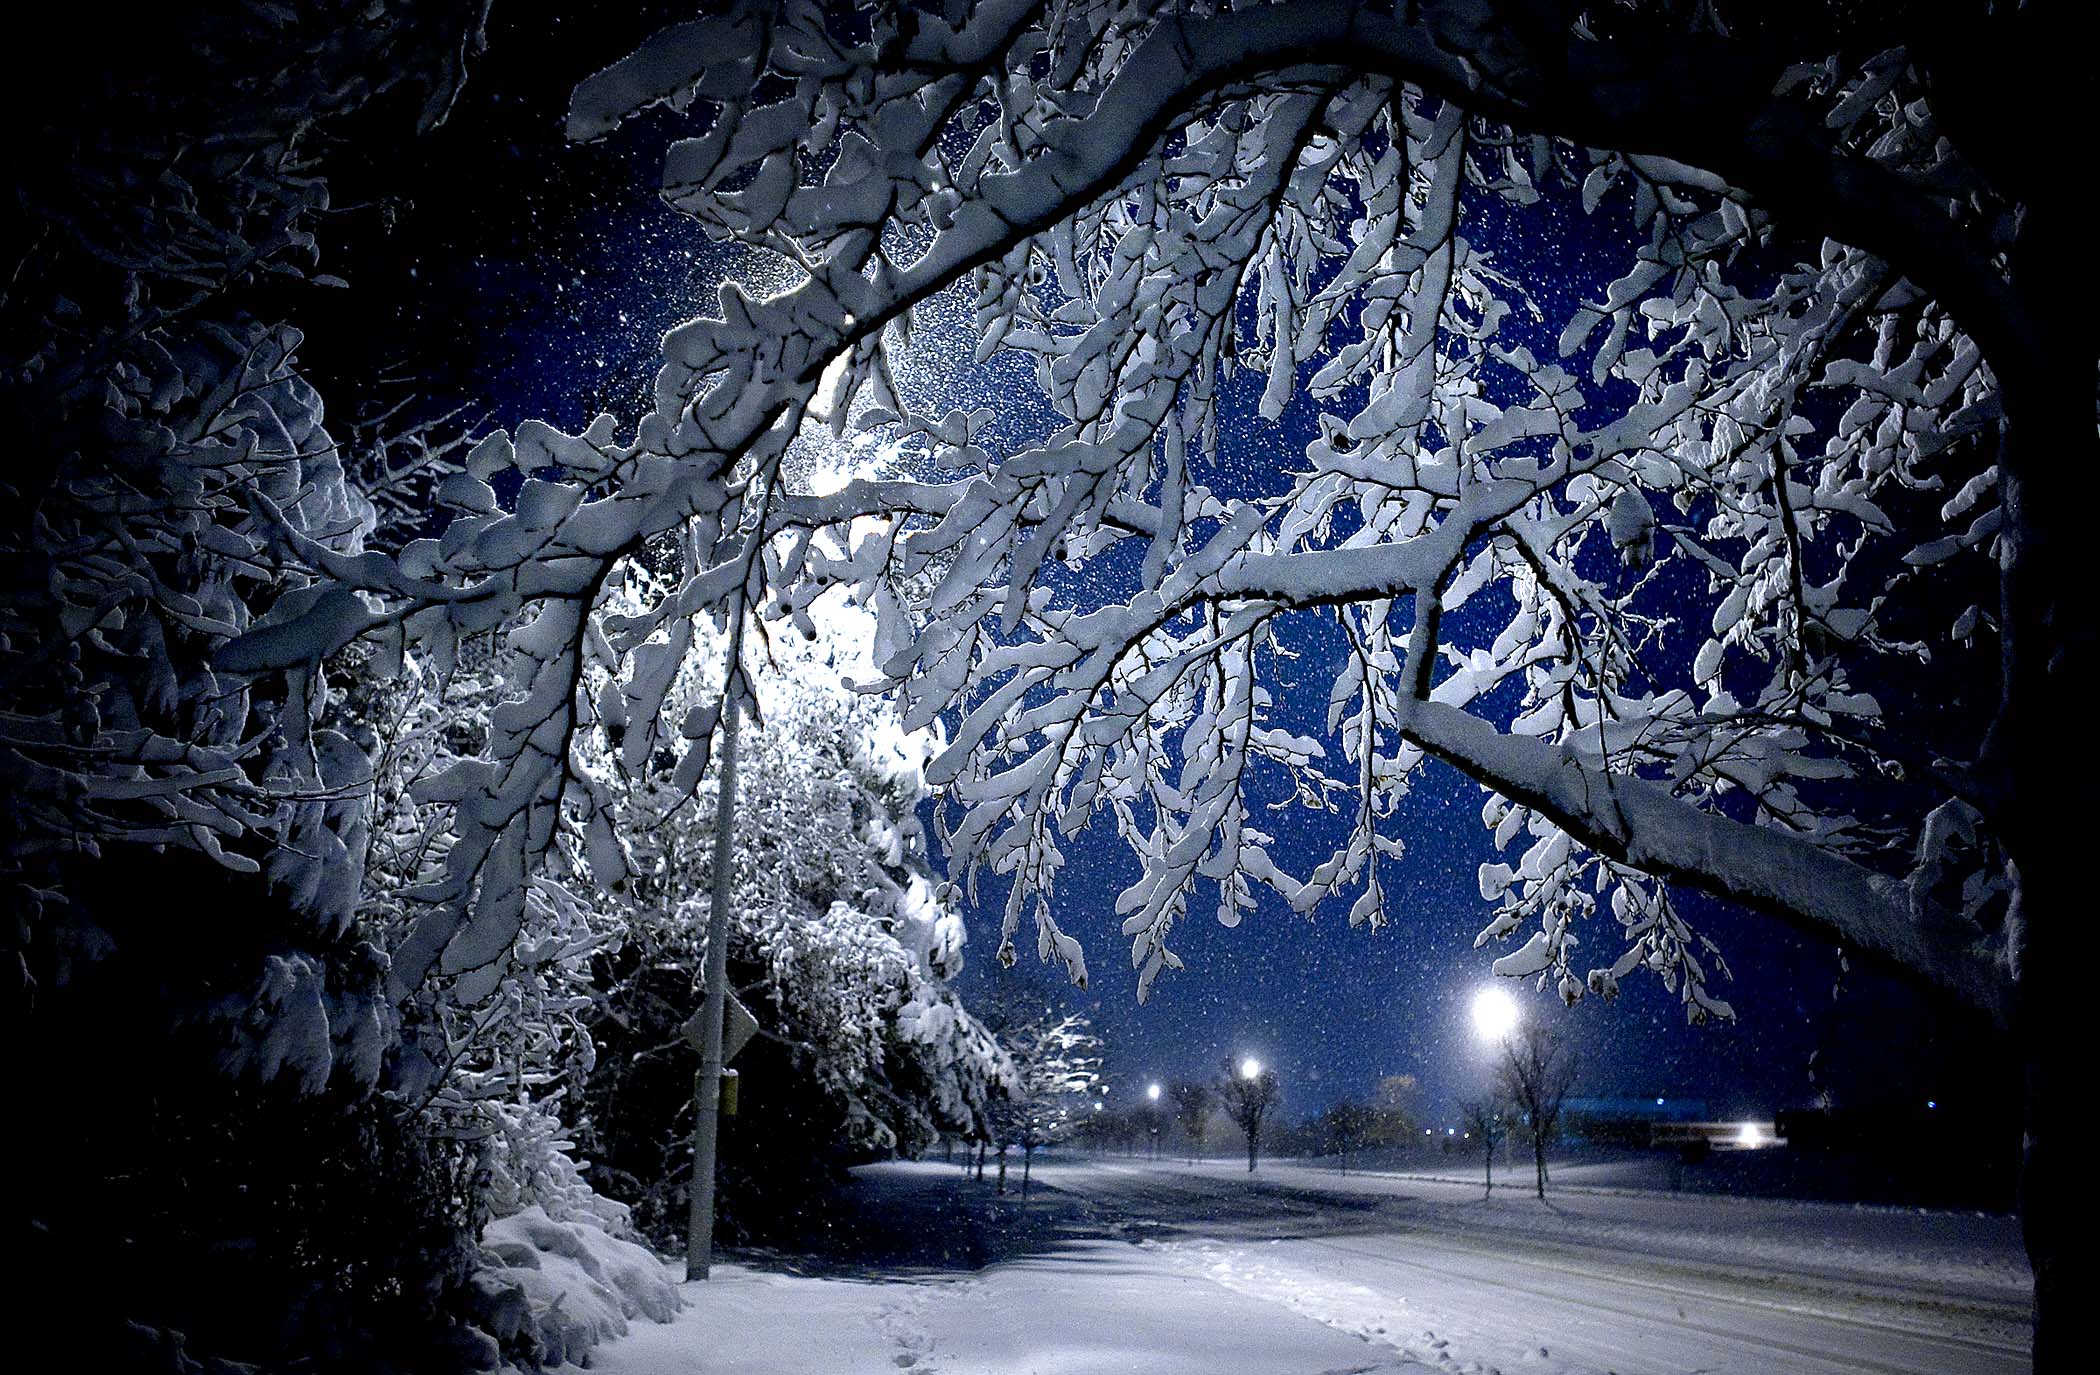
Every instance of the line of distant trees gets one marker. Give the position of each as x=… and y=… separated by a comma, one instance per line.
x=1522, y=1106
x=1197, y=1118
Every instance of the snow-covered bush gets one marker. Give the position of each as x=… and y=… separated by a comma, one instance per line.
x=549, y=1289
x=500, y=1077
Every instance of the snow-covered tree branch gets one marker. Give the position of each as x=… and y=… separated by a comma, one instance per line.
x=1502, y=533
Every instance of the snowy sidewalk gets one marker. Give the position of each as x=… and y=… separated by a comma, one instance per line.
x=1099, y=1308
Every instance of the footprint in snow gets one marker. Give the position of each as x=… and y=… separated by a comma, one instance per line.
x=900, y=1323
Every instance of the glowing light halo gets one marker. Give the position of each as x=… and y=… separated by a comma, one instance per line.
x=1495, y=1014
x=1250, y=1068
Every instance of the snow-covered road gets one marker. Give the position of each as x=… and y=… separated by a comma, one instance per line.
x=1171, y=1268
x=1619, y=1282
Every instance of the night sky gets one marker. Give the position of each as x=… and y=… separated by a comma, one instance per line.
x=508, y=271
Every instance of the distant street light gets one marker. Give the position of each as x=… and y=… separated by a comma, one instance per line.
x=1250, y=1068
x=1152, y=1091
x=1494, y=1015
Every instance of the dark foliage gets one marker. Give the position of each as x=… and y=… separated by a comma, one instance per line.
x=272, y=1225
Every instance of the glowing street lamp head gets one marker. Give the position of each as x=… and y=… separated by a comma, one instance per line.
x=1250, y=1068
x=1494, y=1014
x=1152, y=1092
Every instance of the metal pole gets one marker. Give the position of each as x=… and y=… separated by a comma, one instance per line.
x=707, y=1085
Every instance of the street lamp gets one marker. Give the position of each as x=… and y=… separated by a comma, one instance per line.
x=1250, y=1068
x=1494, y=1015
x=1152, y=1092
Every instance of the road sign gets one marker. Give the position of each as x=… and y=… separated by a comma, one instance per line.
x=738, y=1027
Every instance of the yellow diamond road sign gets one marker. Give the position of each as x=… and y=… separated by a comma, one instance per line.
x=738, y=1027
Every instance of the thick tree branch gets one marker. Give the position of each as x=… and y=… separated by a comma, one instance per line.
x=1641, y=824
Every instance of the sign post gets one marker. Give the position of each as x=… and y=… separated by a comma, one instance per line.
x=738, y=1026
x=707, y=1085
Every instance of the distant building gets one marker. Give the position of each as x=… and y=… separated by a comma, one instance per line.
x=1627, y=1120
x=1661, y=1107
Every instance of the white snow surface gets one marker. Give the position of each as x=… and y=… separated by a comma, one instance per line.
x=1173, y=1268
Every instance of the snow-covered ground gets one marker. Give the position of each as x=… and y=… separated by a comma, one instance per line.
x=1172, y=1268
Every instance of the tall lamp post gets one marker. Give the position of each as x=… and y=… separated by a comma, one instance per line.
x=1152, y=1092
x=707, y=1087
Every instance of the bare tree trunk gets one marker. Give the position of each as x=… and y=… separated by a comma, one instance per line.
x=2038, y=746
x=1027, y=1158
x=1491, y=1170
x=1538, y=1155
x=1002, y=1168
x=1250, y=1152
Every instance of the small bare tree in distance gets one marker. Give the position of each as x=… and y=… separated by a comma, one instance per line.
x=1486, y=1119
x=1537, y=1070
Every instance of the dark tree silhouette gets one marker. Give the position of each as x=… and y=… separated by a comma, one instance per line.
x=1248, y=1098
x=1537, y=1070
x=1488, y=1120
x=1193, y=1102
x=1393, y=1110
x=1347, y=1126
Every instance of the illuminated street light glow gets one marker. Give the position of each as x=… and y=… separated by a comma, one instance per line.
x=1494, y=1014
x=1750, y=1138
x=1250, y=1068
x=1152, y=1092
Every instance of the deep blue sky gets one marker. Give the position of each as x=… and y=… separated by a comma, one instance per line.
x=535, y=280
